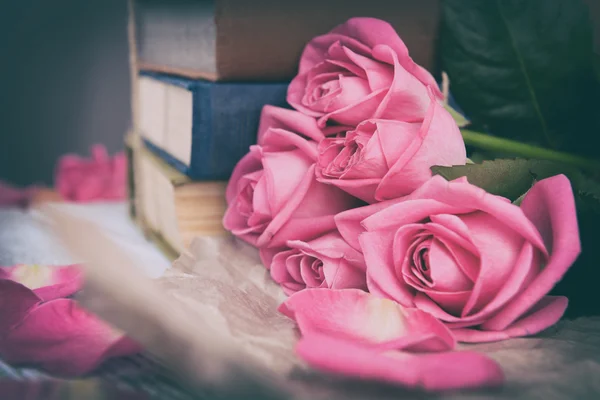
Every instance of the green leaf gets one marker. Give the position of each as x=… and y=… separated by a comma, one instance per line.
x=460, y=119
x=524, y=69
x=511, y=178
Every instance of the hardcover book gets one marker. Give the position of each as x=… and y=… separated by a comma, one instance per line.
x=263, y=39
x=202, y=128
x=170, y=208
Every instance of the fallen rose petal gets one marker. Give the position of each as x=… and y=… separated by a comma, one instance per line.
x=353, y=314
x=100, y=178
x=545, y=314
x=14, y=196
x=15, y=301
x=47, y=282
x=62, y=338
x=430, y=371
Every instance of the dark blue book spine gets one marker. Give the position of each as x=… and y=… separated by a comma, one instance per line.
x=224, y=123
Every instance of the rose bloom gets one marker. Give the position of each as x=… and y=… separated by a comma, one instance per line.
x=385, y=159
x=471, y=259
x=360, y=70
x=272, y=194
x=324, y=262
x=100, y=178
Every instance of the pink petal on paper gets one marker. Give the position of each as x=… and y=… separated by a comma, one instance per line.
x=543, y=315
x=15, y=301
x=47, y=282
x=429, y=371
x=550, y=206
x=357, y=315
x=63, y=339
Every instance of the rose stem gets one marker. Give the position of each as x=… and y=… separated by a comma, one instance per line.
x=494, y=143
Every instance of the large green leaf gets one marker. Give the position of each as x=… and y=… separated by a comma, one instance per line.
x=523, y=69
x=511, y=178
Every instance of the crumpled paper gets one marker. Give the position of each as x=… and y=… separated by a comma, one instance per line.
x=212, y=318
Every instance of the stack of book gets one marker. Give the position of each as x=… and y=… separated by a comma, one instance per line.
x=201, y=71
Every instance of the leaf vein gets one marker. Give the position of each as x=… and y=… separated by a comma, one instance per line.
x=523, y=68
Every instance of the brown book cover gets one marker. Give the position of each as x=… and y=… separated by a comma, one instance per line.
x=263, y=39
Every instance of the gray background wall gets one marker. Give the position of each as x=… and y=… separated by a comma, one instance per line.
x=64, y=82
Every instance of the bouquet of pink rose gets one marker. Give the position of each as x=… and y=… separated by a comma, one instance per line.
x=388, y=264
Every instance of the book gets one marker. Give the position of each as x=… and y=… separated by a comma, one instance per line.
x=171, y=208
x=263, y=39
x=202, y=128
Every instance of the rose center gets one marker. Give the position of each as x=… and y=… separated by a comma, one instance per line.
x=317, y=268
x=246, y=196
x=421, y=268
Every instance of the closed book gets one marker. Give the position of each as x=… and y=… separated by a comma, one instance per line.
x=171, y=208
x=263, y=39
x=202, y=128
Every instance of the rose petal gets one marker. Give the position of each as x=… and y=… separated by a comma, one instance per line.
x=382, y=278
x=499, y=248
x=357, y=315
x=430, y=371
x=14, y=196
x=438, y=141
x=349, y=223
x=407, y=98
x=99, y=178
x=248, y=164
x=370, y=32
x=341, y=274
x=47, y=282
x=544, y=314
x=356, y=112
x=459, y=193
x=292, y=121
x=63, y=339
x=302, y=229
x=15, y=301
x=284, y=173
x=549, y=205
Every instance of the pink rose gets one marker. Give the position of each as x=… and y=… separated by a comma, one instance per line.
x=38, y=326
x=356, y=334
x=471, y=259
x=360, y=70
x=11, y=196
x=385, y=159
x=273, y=195
x=100, y=178
x=325, y=262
